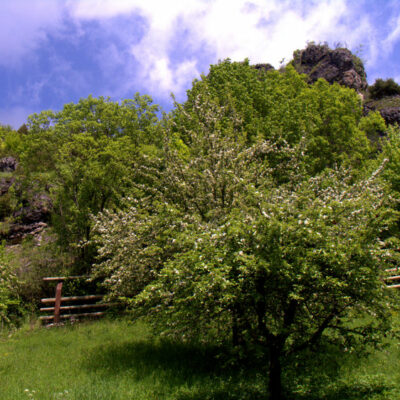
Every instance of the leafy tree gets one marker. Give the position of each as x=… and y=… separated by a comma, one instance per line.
x=273, y=104
x=279, y=270
x=391, y=151
x=382, y=88
x=246, y=234
x=282, y=275
x=374, y=127
x=83, y=156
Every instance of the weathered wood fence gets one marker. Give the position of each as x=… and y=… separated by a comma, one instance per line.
x=394, y=276
x=61, y=307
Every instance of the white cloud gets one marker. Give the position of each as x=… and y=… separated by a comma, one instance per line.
x=24, y=25
x=393, y=35
x=178, y=39
x=262, y=30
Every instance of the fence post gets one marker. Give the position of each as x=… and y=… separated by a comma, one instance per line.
x=57, y=303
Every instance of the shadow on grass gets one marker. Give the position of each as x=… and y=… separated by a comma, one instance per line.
x=191, y=372
x=351, y=392
x=195, y=373
x=145, y=357
x=331, y=374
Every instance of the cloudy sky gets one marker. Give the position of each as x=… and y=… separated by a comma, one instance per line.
x=54, y=52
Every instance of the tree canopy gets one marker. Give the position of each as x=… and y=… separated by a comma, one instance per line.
x=83, y=156
x=260, y=222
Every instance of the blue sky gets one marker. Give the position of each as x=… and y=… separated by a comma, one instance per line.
x=54, y=52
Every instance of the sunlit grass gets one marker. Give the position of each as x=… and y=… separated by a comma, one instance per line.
x=111, y=360
x=116, y=359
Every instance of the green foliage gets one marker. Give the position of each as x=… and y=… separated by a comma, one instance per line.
x=245, y=215
x=9, y=300
x=374, y=127
x=391, y=150
x=10, y=141
x=83, y=156
x=359, y=66
x=33, y=259
x=272, y=104
x=250, y=231
x=382, y=88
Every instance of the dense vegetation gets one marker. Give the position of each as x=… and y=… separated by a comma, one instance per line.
x=258, y=215
x=382, y=88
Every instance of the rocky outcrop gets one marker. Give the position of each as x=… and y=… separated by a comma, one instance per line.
x=17, y=232
x=31, y=218
x=391, y=115
x=338, y=65
x=389, y=108
x=341, y=66
x=5, y=184
x=8, y=164
x=37, y=211
x=263, y=67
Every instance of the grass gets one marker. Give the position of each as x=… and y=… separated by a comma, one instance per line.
x=385, y=102
x=117, y=359
x=110, y=360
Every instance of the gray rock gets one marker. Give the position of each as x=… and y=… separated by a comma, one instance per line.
x=263, y=67
x=5, y=184
x=338, y=65
x=8, y=164
x=391, y=115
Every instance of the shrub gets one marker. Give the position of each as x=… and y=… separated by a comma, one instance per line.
x=382, y=88
x=9, y=301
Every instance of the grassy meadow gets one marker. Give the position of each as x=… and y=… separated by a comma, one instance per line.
x=121, y=360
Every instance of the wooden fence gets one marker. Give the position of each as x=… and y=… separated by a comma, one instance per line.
x=61, y=307
x=394, y=276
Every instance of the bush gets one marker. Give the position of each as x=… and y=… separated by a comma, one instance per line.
x=32, y=261
x=382, y=88
x=9, y=301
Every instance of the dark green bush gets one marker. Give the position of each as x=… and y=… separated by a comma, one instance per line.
x=382, y=88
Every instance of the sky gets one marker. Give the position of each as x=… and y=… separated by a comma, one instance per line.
x=54, y=52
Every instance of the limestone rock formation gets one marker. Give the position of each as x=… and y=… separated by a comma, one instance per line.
x=263, y=67
x=338, y=65
x=30, y=218
x=388, y=106
x=8, y=164
x=391, y=115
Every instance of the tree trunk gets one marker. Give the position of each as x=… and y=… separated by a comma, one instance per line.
x=235, y=331
x=275, y=375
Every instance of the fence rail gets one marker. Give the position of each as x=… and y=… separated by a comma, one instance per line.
x=392, y=278
x=74, y=298
x=68, y=311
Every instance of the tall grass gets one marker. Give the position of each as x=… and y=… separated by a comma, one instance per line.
x=113, y=360
x=120, y=360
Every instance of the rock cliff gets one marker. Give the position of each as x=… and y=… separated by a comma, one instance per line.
x=334, y=65
x=341, y=66
x=20, y=215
